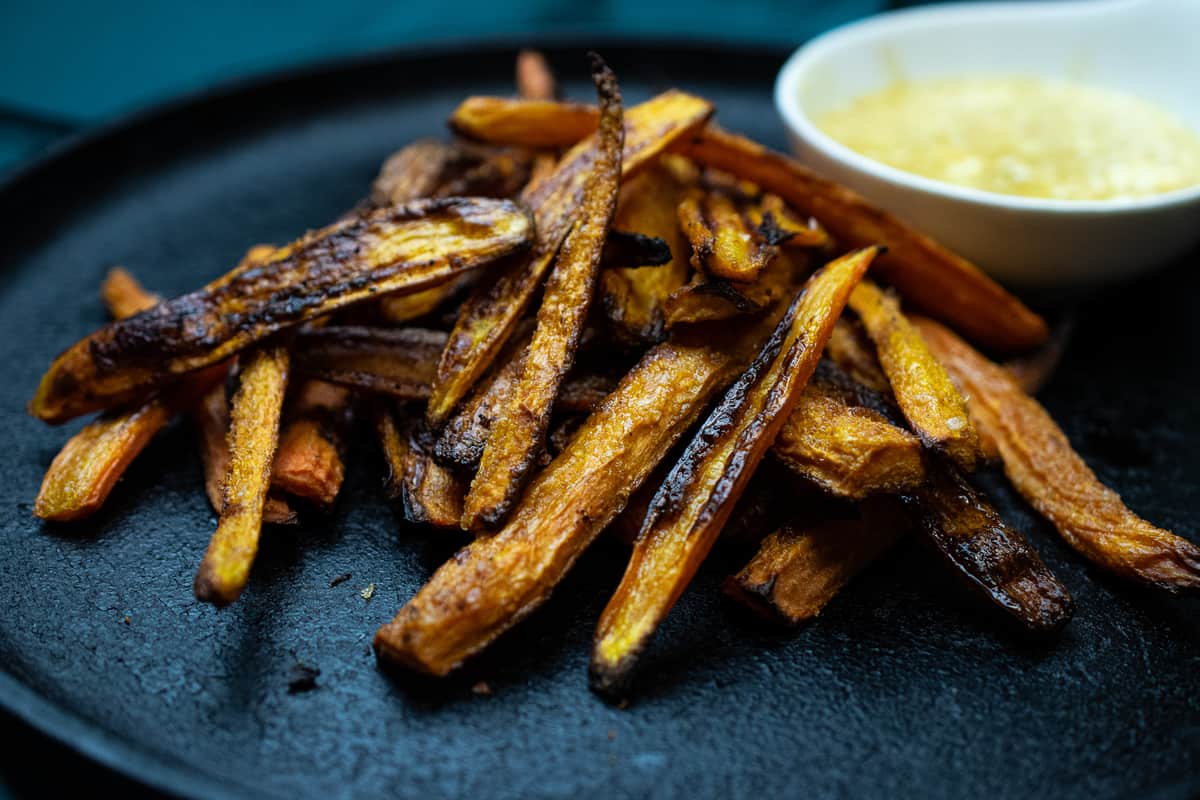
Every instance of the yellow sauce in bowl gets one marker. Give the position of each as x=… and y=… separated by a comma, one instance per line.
x=1022, y=136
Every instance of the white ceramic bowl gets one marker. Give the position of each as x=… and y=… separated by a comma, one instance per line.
x=1150, y=48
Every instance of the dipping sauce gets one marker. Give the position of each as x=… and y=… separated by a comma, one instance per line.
x=1022, y=136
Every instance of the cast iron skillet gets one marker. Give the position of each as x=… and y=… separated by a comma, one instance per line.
x=901, y=687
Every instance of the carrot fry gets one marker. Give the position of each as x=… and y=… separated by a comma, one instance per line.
x=1051, y=476
x=929, y=399
x=535, y=80
x=84, y=472
x=779, y=225
x=428, y=492
x=697, y=497
x=991, y=559
x=490, y=313
x=532, y=122
x=253, y=433
x=847, y=449
x=123, y=296
x=498, y=580
x=211, y=418
x=851, y=349
x=930, y=277
x=713, y=299
x=517, y=438
x=799, y=568
x=725, y=242
x=402, y=248
x=308, y=462
x=399, y=362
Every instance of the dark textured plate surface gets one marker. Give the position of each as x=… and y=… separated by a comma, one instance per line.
x=900, y=688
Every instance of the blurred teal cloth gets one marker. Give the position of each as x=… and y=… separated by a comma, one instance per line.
x=73, y=63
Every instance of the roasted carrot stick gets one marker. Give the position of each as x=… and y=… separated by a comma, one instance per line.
x=929, y=399
x=428, y=492
x=694, y=501
x=308, y=462
x=253, y=433
x=1051, y=476
x=535, y=80
x=519, y=433
x=400, y=248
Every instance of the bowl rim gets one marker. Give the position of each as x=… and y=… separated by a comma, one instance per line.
x=813, y=52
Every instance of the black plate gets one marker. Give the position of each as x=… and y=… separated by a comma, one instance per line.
x=899, y=688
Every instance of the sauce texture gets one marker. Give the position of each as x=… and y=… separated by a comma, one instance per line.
x=1022, y=136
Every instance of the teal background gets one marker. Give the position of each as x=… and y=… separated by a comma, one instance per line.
x=70, y=64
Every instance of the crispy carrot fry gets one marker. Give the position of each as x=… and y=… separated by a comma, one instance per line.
x=428, y=492
x=930, y=401
x=1051, y=476
x=395, y=361
x=124, y=296
x=308, y=462
x=253, y=432
x=211, y=418
x=403, y=248
x=779, y=225
x=500, y=579
x=84, y=472
x=930, y=277
x=725, y=243
x=535, y=80
x=847, y=449
x=989, y=558
x=537, y=123
x=629, y=250
x=699, y=494
x=517, y=438
x=633, y=299
x=799, y=568
x=412, y=172
x=490, y=313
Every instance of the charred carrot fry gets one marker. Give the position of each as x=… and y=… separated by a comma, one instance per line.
x=929, y=276
x=1051, y=476
x=799, y=568
x=308, y=461
x=490, y=313
x=697, y=497
x=428, y=492
x=725, y=242
x=253, y=433
x=519, y=433
x=401, y=248
x=991, y=559
x=929, y=399
x=529, y=122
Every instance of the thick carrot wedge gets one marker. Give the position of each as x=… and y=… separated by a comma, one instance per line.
x=401, y=248
x=1051, y=476
x=490, y=313
x=930, y=401
x=253, y=433
x=929, y=276
x=694, y=501
x=518, y=436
